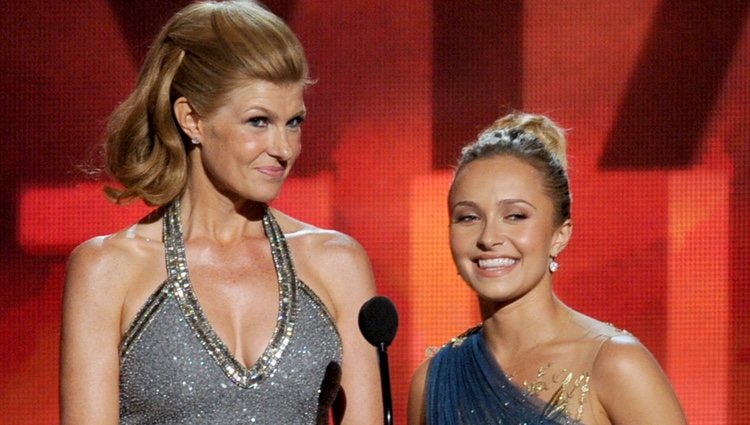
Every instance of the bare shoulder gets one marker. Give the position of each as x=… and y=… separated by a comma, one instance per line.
x=318, y=242
x=328, y=259
x=419, y=378
x=121, y=248
x=621, y=355
x=631, y=386
x=336, y=268
x=100, y=277
x=415, y=406
x=618, y=351
x=108, y=258
x=104, y=270
x=94, y=262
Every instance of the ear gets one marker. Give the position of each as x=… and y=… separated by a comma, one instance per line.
x=561, y=238
x=187, y=118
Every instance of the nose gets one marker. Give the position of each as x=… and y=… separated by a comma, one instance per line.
x=281, y=145
x=490, y=236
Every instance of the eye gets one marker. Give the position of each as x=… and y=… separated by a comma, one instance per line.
x=516, y=216
x=295, y=122
x=465, y=218
x=259, y=122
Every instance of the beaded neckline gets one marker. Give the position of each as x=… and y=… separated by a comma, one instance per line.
x=179, y=281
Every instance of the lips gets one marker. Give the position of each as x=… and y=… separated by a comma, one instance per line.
x=495, y=263
x=272, y=171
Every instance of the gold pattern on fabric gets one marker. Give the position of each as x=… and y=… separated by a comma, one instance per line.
x=568, y=389
x=568, y=386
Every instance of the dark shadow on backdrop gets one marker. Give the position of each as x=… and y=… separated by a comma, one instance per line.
x=141, y=20
x=738, y=148
x=672, y=92
x=477, y=65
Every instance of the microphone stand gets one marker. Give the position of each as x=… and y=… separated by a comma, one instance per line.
x=385, y=384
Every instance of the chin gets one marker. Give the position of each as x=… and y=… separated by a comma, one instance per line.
x=496, y=291
x=255, y=197
x=493, y=297
x=263, y=199
x=264, y=195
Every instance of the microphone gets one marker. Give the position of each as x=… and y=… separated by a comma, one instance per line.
x=378, y=322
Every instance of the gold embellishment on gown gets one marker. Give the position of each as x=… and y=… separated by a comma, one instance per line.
x=456, y=341
x=568, y=389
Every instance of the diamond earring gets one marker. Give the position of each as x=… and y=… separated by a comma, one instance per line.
x=553, y=265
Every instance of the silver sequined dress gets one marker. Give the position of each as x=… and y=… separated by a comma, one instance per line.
x=174, y=369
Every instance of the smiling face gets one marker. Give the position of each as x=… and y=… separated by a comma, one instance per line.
x=249, y=144
x=502, y=228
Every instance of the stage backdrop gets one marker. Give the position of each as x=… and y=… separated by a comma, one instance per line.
x=654, y=95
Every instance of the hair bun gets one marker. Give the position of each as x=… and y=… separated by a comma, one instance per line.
x=541, y=127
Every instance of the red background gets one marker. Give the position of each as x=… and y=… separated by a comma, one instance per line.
x=654, y=94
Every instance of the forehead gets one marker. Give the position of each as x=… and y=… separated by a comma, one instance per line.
x=265, y=94
x=497, y=178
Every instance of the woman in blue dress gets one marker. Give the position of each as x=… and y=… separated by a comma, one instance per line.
x=532, y=360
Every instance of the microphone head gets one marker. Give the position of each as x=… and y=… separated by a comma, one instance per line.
x=378, y=320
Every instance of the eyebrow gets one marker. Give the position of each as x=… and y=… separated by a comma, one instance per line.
x=463, y=203
x=516, y=201
x=502, y=202
x=302, y=112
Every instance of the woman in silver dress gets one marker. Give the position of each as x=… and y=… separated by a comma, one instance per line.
x=215, y=309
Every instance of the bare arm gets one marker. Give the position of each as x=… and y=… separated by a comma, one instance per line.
x=348, y=278
x=89, y=364
x=416, y=413
x=632, y=388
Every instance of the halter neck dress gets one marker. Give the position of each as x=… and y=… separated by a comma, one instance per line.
x=174, y=369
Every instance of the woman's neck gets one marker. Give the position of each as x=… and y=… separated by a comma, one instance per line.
x=514, y=328
x=219, y=218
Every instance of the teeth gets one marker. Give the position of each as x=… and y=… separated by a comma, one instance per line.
x=496, y=262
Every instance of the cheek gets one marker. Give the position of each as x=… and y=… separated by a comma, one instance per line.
x=539, y=249
x=250, y=146
x=243, y=145
x=453, y=238
x=219, y=134
x=531, y=237
x=525, y=240
x=452, y=242
x=460, y=261
x=296, y=144
x=461, y=241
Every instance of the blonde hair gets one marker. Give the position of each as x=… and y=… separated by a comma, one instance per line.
x=535, y=139
x=203, y=52
x=543, y=128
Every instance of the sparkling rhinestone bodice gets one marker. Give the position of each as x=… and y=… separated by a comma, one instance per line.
x=174, y=369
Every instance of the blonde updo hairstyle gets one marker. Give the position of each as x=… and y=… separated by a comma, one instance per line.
x=205, y=51
x=535, y=139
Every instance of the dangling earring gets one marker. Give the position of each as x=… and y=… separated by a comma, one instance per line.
x=195, y=141
x=553, y=265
